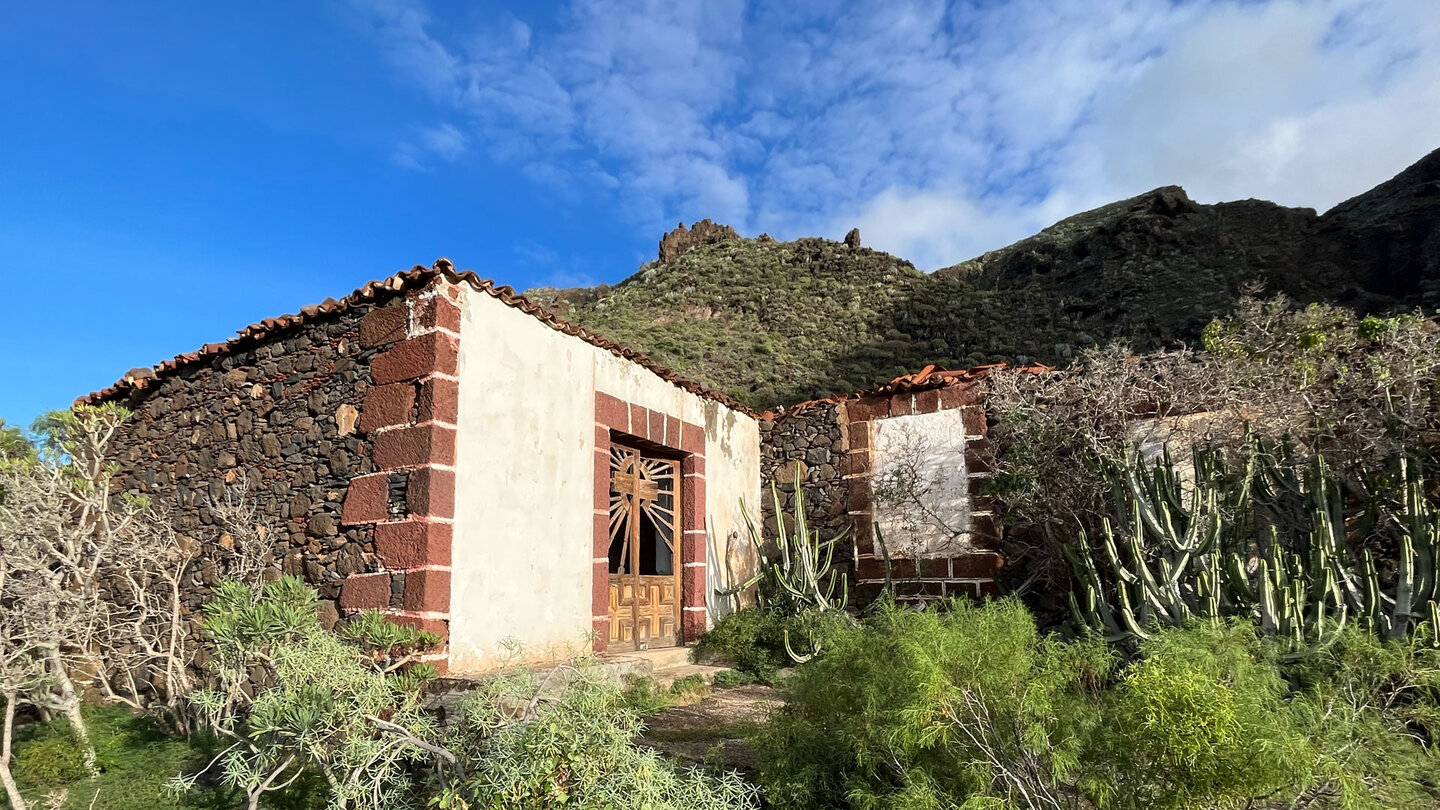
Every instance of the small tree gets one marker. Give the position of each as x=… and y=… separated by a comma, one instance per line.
x=22, y=673
x=294, y=699
x=94, y=579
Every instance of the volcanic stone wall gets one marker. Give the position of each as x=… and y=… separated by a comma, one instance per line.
x=811, y=440
x=276, y=421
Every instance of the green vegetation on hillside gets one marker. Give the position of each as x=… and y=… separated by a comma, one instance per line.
x=774, y=323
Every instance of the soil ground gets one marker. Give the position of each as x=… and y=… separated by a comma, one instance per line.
x=714, y=729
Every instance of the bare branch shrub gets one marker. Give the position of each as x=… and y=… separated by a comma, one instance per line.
x=93, y=584
x=1360, y=391
x=247, y=537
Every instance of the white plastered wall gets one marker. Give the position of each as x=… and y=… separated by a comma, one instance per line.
x=921, y=491
x=523, y=544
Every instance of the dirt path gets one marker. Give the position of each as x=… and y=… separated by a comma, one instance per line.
x=713, y=730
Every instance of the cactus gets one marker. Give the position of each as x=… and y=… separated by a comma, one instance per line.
x=798, y=576
x=1267, y=538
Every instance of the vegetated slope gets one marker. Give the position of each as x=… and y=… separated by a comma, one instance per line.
x=778, y=322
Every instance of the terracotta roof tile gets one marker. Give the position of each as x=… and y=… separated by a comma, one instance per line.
x=415, y=278
x=925, y=379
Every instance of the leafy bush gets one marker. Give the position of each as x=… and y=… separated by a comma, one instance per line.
x=933, y=709
x=970, y=707
x=750, y=640
x=297, y=700
x=753, y=640
x=1361, y=392
x=569, y=741
x=728, y=678
x=1200, y=720
x=1372, y=709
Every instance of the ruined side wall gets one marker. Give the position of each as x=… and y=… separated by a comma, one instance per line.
x=834, y=446
x=926, y=563
x=812, y=442
x=278, y=418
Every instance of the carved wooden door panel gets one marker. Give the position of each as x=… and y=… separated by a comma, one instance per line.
x=644, y=551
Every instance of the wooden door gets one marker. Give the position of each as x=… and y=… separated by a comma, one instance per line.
x=645, y=559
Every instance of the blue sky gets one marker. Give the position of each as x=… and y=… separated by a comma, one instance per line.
x=170, y=172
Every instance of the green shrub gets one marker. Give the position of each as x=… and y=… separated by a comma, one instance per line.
x=300, y=701
x=750, y=640
x=728, y=678
x=753, y=640
x=571, y=744
x=1200, y=720
x=136, y=762
x=1371, y=708
x=934, y=709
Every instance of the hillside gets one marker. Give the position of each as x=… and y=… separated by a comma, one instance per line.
x=777, y=322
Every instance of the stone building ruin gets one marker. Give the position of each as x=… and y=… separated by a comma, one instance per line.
x=443, y=449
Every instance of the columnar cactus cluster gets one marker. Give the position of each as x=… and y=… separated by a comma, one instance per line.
x=1266, y=537
x=796, y=569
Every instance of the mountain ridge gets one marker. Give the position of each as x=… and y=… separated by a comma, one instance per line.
x=773, y=322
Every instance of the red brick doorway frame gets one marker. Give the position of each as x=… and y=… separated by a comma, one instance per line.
x=616, y=419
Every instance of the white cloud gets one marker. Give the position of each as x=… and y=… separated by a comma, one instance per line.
x=941, y=129
x=445, y=142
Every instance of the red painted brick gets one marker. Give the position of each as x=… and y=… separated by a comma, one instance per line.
x=692, y=547
x=862, y=527
x=439, y=627
x=365, y=592
x=693, y=465
x=413, y=446
x=902, y=404
x=437, y=312
x=439, y=401
x=979, y=456
x=976, y=566
x=431, y=493
x=416, y=357
x=927, y=401
x=859, y=494
x=694, y=587
x=639, y=421
x=612, y=412
x=366, y=500
x=693, y=624
x=874, y=568
x=601, y=534
x=869, y=409
x=600, y=589
x=692, y=438
x=384, y=325
x=387, y=406
x=973, y=418
x=692, y=504
x=935, y=567
x=601, y=478
x=602, y=439
x=985, y=531
x=672, y=432
x=600, y=629
x=657, y=427
x=413, y=543
x=954, y=396
x=859, y=435
x=857, y=462
x=427, y=591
